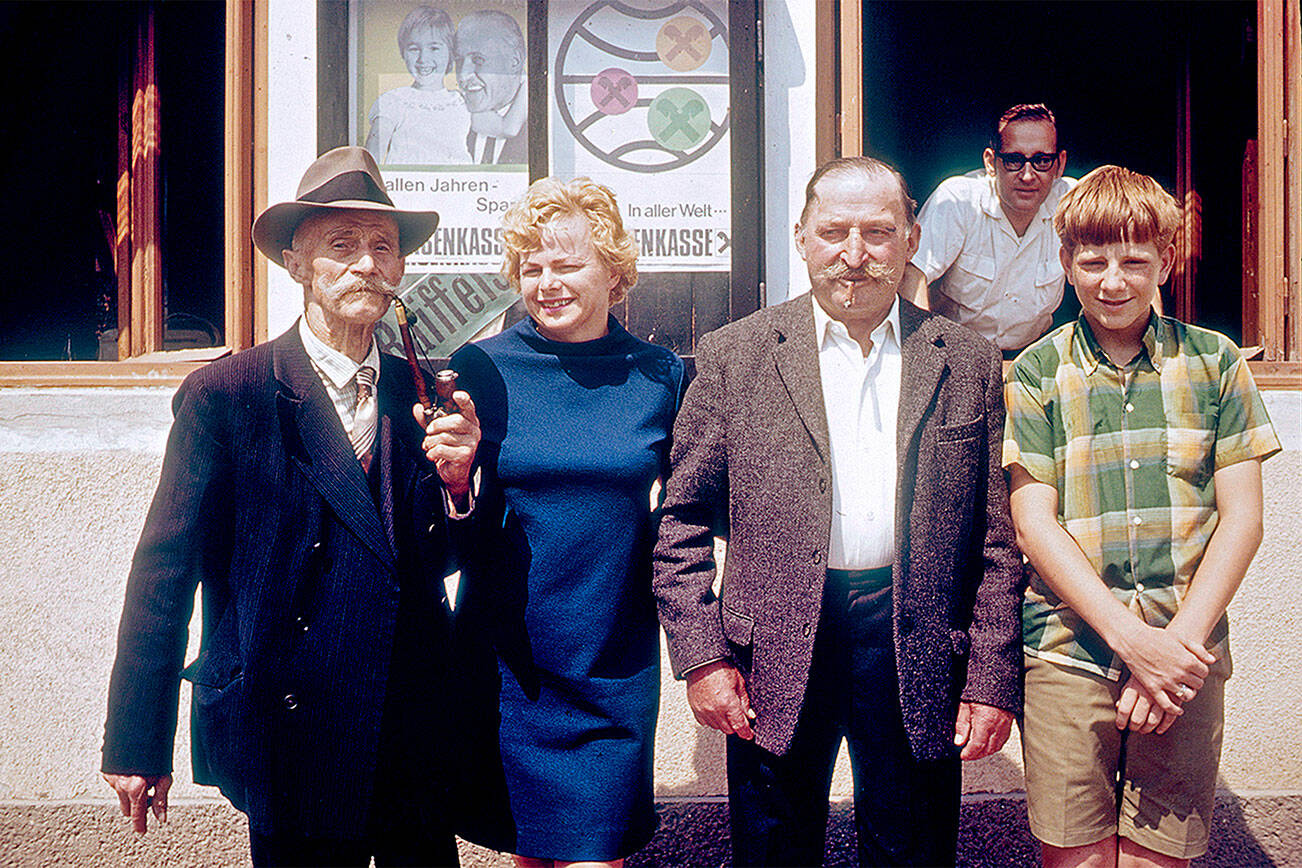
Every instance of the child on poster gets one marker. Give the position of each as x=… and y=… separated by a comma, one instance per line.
x=422, y=123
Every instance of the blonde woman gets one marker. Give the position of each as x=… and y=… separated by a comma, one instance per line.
x=562, y=633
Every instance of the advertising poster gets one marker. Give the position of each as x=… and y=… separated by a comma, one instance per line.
x=440, y=99
x=641, y=104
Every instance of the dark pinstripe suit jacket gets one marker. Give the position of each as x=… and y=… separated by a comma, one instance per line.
x=751, y=454
x=262, y=502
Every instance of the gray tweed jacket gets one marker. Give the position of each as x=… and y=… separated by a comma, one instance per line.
x=750, y=461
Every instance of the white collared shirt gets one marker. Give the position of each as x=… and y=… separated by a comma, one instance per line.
x=338, y=373
x=862, y=399
x=983, y=275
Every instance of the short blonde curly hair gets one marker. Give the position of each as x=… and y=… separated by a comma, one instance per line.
x=546, y=200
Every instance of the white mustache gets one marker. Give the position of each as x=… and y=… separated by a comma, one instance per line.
x=870, y=270
x=354, y=282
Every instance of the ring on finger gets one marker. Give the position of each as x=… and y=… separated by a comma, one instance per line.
x=1183, y=693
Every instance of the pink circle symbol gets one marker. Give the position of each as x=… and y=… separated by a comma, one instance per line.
x=614, y=91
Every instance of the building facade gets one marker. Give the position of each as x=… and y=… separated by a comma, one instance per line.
x=707, y=118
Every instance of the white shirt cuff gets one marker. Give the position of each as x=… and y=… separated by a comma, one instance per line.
x=450, y=508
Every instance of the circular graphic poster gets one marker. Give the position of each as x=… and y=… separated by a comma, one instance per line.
x=643, y=87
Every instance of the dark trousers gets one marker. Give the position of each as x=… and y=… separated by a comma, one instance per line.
x=905, y=811
x=409, y=825
x=413, y=846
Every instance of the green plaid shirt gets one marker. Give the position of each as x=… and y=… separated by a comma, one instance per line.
x=1131, y=452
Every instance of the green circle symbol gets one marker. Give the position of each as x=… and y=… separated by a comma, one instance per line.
x=679, y=118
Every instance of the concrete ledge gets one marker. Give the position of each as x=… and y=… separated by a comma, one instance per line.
x=1251, y=830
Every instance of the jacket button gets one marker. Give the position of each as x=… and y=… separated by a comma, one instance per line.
x=433, y=529
x=300, y=622
x=817, y=556
x=822, y=485
x=906, y=622
x=805, y=630
x=290, y=701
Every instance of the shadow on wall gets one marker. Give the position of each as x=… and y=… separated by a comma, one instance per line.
x=779, y=80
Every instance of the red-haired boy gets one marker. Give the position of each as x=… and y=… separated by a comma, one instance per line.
x=1133, y=445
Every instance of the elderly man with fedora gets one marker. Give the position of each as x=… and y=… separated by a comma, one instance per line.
x=295, y=492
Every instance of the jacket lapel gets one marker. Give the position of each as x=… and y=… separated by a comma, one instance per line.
x=922, y=368
x=795, y=353
x=320, y=447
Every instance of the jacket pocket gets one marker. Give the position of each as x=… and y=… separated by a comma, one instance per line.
x=209, y=671
x=738, y=629
x=961, y=431
x=216, y=718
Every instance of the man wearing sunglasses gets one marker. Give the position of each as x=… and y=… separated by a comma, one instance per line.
x=988, y=249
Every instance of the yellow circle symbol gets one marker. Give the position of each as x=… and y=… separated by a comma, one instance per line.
x=683, y=43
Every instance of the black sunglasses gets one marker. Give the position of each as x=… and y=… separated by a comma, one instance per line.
x=1013, y=162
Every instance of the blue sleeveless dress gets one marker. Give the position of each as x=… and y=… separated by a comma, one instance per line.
x=559, y=639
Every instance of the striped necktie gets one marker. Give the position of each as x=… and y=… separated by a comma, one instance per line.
x=363, y=434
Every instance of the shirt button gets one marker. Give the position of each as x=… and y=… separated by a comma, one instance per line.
x=290, y=701
x=1130, y=408
x=1134, y=465
x=1136, y=520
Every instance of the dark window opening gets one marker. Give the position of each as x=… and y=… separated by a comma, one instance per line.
x=1115, y=74
x=66, y=62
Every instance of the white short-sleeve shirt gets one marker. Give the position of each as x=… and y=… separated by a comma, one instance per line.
x=983, y=275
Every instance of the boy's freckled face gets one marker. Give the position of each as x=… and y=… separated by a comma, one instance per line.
x=426, y=55
x=1116, y=284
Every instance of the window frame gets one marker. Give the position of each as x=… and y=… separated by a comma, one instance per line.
x=141, y=359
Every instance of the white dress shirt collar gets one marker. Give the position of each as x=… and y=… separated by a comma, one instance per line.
x=333, y=365
x=887, y=330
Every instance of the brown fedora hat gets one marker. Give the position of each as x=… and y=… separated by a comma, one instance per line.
x=343, y=179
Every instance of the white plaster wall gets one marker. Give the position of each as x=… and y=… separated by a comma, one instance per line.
x=77, y=470
x=789, y=138
x=291, y=131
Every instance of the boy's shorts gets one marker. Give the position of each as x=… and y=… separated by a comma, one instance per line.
x=1071, y=748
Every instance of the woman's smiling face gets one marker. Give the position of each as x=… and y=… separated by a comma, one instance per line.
x=565, y=284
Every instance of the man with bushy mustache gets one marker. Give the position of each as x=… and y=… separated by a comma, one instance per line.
x=847, y=444
x=295, y=491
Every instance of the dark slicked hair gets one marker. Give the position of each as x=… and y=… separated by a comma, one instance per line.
x=1025, y=112
x=865, y=166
